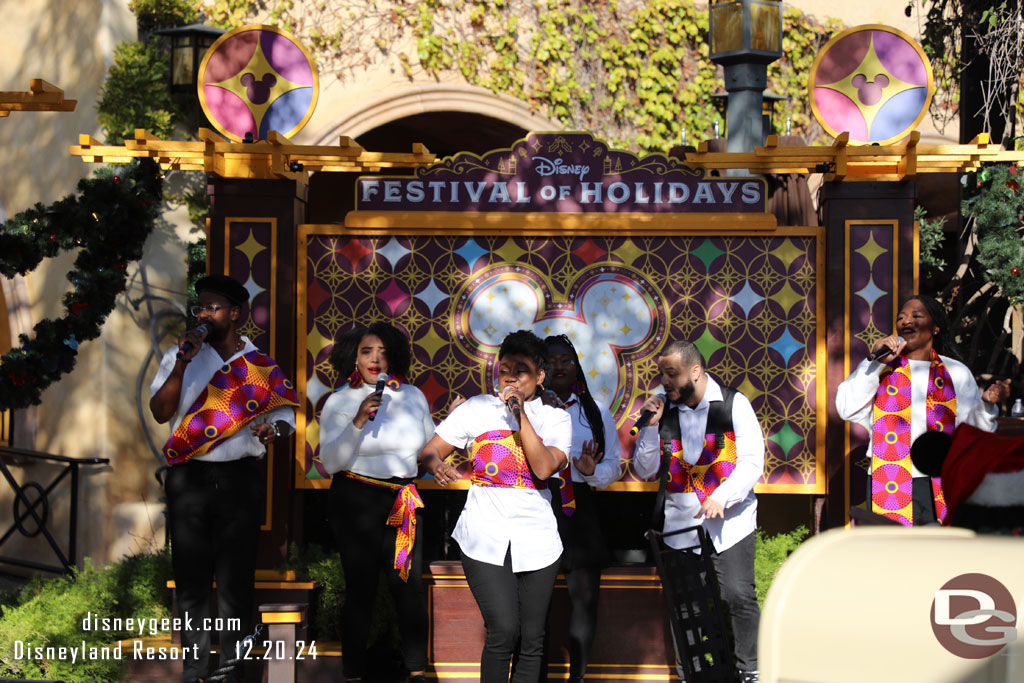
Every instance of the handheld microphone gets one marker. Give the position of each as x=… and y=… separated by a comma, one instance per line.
x=382, y=381
x=203, y=330
x=641, y=422
x=884, y=351
x=513, y=405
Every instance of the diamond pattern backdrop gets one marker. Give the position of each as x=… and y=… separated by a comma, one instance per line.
x=749, y=302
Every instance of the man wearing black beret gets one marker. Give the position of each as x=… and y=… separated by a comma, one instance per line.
x=225, y=401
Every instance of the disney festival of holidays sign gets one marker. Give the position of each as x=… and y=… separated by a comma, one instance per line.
x=561, y=172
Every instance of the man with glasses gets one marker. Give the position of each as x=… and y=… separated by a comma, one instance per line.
x=225, y=401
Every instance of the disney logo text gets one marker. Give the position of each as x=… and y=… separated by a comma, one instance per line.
x=546, y=167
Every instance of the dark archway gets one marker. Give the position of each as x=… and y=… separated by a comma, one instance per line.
x=332, y=195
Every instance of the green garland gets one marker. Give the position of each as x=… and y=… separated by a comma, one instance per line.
x=997, y=211
x=109, y=221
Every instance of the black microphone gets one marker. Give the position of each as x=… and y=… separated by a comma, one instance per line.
x=513, y=405
x=884, y=351
x=203, y=330
x=382, y=381
x=641, y=422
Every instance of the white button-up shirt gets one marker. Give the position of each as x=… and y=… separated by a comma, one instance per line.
x=610, y=468
x=736, y=493
x=198, y=373
x=384, y=448
x=855, y=398
x=496, y=517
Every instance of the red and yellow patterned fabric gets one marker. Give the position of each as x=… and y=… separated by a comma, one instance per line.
x=499, y=460
x=238, y=393
x=712, y=467
x=402, y=516
x=892, y=489
x=566, y=492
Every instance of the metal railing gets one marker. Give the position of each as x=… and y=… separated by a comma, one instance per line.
x=32, y=513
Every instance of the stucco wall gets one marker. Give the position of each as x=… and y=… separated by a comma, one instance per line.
x=91, y=412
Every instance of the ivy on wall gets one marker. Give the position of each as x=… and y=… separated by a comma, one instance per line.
x=635, y=73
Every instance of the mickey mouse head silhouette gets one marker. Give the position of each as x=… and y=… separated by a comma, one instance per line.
x=869, y=92
x=258, y=92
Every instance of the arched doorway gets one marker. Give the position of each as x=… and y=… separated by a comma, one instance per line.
x=332, y=195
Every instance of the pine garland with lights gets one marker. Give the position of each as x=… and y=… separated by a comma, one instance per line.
x=997, y=209
x=108, y=220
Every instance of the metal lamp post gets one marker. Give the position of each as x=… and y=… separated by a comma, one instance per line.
x=188, y=46
x=746, y=36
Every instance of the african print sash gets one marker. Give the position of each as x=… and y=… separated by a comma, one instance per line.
x=499, y=460
x=892, y=490
x=238, y=393
x=402, y=516
x=716, y=462
x=717, y=459
x=566, y=491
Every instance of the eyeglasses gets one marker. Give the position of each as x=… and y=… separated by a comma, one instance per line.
x=209, y=308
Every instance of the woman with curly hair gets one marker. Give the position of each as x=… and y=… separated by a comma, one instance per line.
x=369, y=441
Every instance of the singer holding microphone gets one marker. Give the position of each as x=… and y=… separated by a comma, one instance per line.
x=507, y=530
x=225, y=401
x=912, y=383
x=371, y=432
x=595, y=460
x=713, y=455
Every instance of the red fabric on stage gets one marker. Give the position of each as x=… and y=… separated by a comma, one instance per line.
x=973, y=454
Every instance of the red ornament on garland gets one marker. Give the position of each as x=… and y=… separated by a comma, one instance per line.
x=1013, y=170
x=1015, y=271
x=117, y=180
x=53, y=238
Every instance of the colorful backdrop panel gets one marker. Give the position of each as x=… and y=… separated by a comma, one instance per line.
x=871, y=285
x=751, y=303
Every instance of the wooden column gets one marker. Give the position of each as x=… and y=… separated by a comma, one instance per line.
x=252, y=237
x=872, y=250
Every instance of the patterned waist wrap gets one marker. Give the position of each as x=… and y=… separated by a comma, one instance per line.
x=238, y=393
x=402, y=516
x=499, y=460
x=716, y=462
x=892, y=490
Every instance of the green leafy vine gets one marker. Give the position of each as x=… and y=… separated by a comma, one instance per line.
x=636, y=74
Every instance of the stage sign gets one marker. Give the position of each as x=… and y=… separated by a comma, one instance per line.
x=561, y=235
x=565, y=173
x=751, y=303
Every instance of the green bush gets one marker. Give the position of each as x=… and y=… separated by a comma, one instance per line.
x=49, y=612
x=136, y=94
x=314, y=563
x=769, y=555
x=165, y=12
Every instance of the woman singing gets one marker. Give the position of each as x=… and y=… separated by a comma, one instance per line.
x=912, y=387
x=595, y=461
x=507, y=531
x=370, y=441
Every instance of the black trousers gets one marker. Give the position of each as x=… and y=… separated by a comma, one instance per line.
x=585, y=555
x=366, y=544
x=514, y=606
x=214, y=515
x=735, y=570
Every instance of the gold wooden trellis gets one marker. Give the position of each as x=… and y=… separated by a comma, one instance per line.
x=41, y=96
x=275, y=157
x=842, y=161
x=278, y=157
